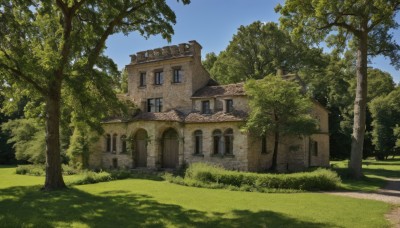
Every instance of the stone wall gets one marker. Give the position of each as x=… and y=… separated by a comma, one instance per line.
x=186, y=57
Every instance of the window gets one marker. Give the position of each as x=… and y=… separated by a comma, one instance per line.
x=177, y=76
x=229, y=105
x=114, y=143
x=198, y=142
x=313, y=147
x=123, y=144
x=216, y=141
x=108, y=143
x=158, y=78
x=205, y=107
x=228, y=137
x=154, y=105
x=142, y=79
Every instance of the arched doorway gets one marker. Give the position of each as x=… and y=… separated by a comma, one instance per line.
x=170, y=149
x=140, y=152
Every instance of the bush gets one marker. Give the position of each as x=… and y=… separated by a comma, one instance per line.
x=207, y=175
x=90, y=177
x=40, y=170
x=32, y=170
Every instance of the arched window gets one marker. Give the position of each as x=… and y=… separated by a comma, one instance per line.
x=198, y=142
x=114, y=144
x=216, y=141
x=123, y=144
x=108, y=143
x=228, y=138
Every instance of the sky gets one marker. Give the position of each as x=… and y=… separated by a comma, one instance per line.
x=212, y=23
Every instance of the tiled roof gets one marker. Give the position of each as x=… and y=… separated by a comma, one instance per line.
x=220, y=90
x=172, y=115
x=196, y=117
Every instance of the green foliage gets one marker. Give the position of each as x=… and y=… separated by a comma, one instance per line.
x=28, y=138
x=39, y=170
x=66, y=65
x=33, y=170
x=209, y=61
x=396, y=132
x=78, y=151
x=278, y=105
x=385, y=111
x=203, y=173
x=260, y=49
x=90, y=177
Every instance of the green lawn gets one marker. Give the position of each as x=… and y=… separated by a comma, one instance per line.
x=375, y=173
x=149, y=203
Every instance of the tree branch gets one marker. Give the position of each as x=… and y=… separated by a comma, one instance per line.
x=22, y=77
x=109, y=30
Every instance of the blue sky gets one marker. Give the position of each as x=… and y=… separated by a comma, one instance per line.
x=212, y=23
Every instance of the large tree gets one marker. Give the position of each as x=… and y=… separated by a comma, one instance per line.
x=363, y=23
x=52, y=48
x=278, y=108
x=385, y=111
x=260, y=49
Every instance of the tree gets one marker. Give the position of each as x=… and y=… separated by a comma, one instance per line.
x=209, y=61
x=361, y=23
x=28, y=139
x=260, y=49
x=385, y=111
x=278, y=107
x=48, y=49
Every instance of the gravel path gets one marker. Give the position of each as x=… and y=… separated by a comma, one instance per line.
x=389, y=194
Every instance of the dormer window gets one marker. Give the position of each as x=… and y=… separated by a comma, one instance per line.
x=177, y=76
x=205, y=107
x=158, y=78
x=142, y=79
x=229, y=105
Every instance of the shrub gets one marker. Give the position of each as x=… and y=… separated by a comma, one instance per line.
x=207, y=174
x=90, y=177
x=32, y=170
x=69, y=170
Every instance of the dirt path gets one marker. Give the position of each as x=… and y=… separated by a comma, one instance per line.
x=389, y=194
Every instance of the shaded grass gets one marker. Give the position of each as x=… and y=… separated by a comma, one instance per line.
x=149, y=203
x=375, y=173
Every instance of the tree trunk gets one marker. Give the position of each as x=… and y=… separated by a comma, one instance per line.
x=54, y=179
x=275, y=154
x=360, y=103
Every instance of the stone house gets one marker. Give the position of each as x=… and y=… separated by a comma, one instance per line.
x=187, y=117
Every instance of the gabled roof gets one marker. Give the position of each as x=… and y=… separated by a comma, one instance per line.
x=220, y=90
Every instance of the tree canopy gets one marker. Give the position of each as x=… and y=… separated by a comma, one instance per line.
x=54, y=51
x=260, y=49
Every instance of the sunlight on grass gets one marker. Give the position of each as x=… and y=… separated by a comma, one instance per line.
x=375, y=173
x=149, y=203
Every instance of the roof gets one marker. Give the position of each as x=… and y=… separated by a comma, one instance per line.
x=220, y=90
x=196, y=117
x=172, y=115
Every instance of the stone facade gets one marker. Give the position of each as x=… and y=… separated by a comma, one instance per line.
x=187, y=117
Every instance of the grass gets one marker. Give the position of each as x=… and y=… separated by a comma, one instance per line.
x=152, y=203
x=375, y=173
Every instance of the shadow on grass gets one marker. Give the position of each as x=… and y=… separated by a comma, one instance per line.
x=28, y=207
